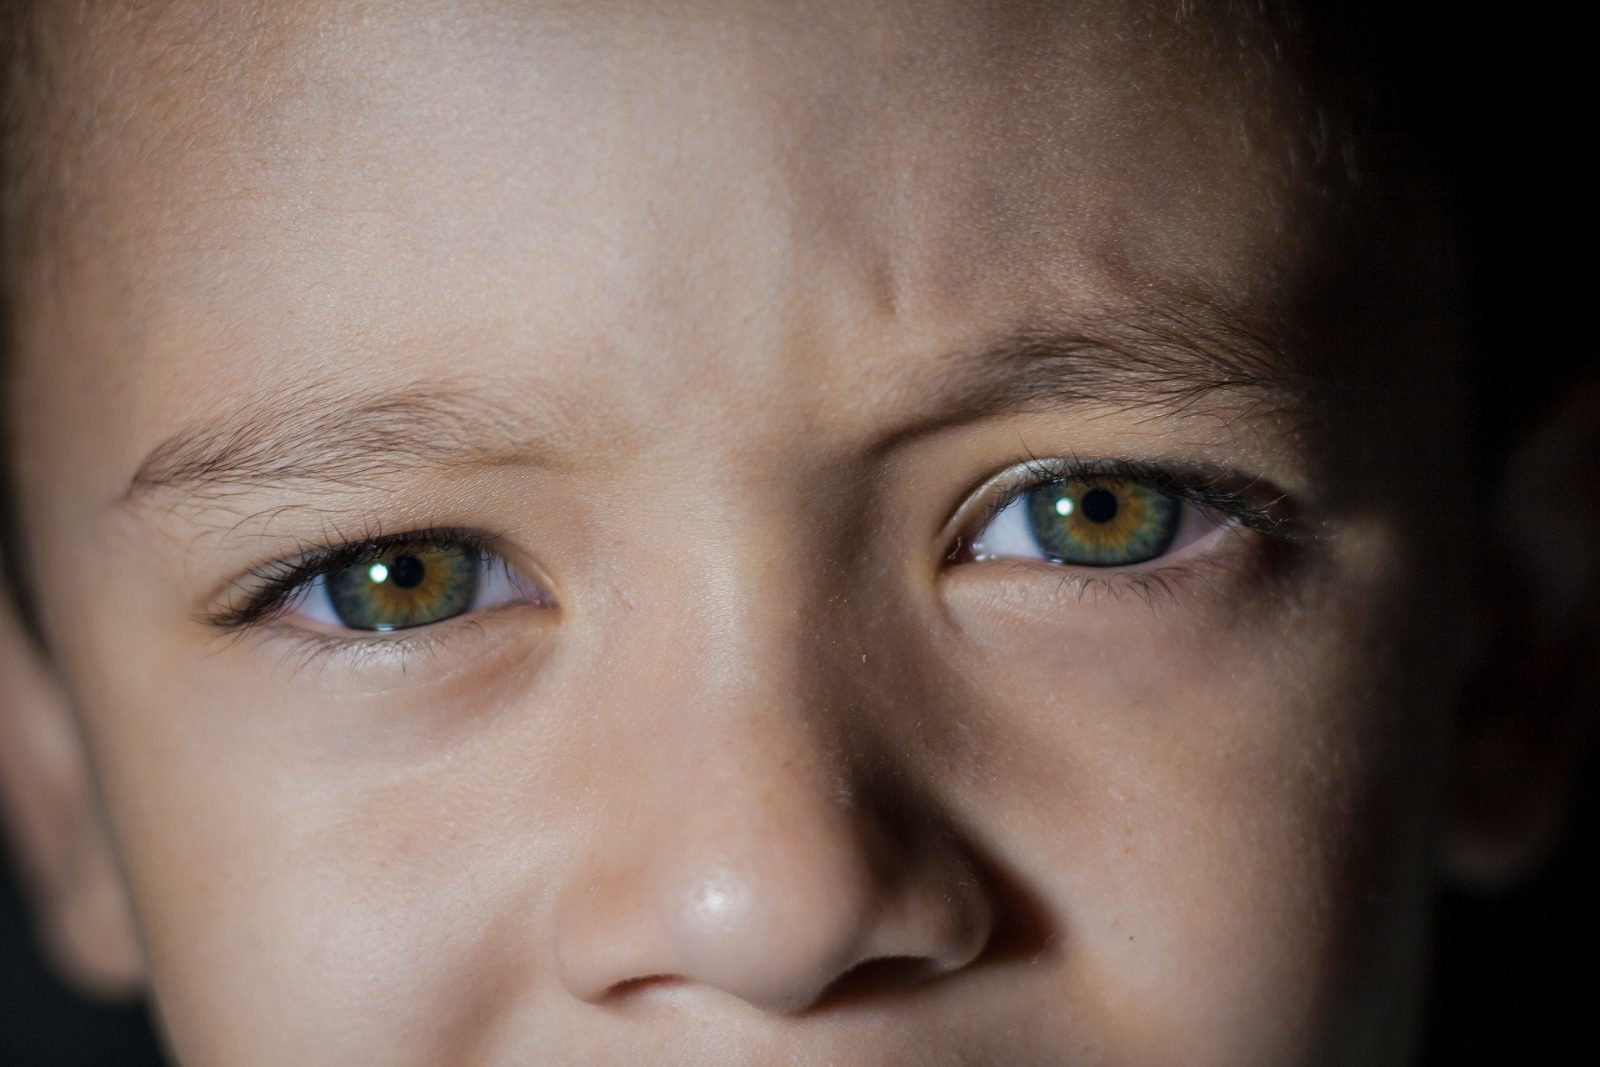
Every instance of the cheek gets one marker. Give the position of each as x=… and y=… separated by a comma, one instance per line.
x=1215, y=787
x=313, y=920
x=316, y=884
x=1207, y=796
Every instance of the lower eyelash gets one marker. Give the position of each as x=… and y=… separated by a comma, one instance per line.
x=1156, y=587
x=1149, y=586
x=398, y=651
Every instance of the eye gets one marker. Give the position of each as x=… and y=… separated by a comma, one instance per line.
x=1112, y=515
x=381, y=585
x=1092, y=522
x=409, y=585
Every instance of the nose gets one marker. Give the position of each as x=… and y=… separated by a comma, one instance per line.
x=752, y=856
x=779, y=894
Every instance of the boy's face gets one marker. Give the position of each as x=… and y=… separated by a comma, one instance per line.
x=760, y=343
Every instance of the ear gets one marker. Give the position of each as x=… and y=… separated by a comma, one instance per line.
x=1530, y=728
x=48, y=806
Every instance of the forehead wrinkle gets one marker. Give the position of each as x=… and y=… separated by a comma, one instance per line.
x=1112, y=145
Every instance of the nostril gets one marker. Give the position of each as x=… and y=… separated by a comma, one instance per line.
x=643, y=984
x=883, y=974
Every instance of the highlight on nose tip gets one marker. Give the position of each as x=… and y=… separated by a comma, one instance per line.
x=784, y=944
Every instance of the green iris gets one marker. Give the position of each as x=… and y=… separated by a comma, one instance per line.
x=1101, y=522
x=409, y=586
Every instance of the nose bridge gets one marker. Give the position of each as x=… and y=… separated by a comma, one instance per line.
x=742, y=848
x=754, y=704
x=754, y=619
x=755, y=614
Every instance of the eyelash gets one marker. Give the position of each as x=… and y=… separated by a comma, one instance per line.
x=269, y=591
x=1231, y=494
x=272, y=589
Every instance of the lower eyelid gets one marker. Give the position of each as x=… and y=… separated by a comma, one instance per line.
x=409, y=658
x=1029, y=593
x=1225, y=563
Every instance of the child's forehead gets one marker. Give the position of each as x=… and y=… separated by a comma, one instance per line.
x=952, y=138
x=584, y=178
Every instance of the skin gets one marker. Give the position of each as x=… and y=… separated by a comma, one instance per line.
x=762, y=775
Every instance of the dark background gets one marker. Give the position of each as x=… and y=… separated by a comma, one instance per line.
x=41, y=1024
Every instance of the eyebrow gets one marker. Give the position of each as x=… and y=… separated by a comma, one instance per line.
x=342, y=437
x=1179, y=361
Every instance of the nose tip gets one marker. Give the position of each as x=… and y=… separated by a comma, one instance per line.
x=781, y=921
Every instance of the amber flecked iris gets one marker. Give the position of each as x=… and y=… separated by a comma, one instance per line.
x=1101, y=522
x=409, y=586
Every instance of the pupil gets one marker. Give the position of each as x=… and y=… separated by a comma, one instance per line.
x=406, y=571
x=1099, y=505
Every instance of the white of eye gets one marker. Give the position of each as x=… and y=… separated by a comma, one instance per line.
x=1007, y=535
